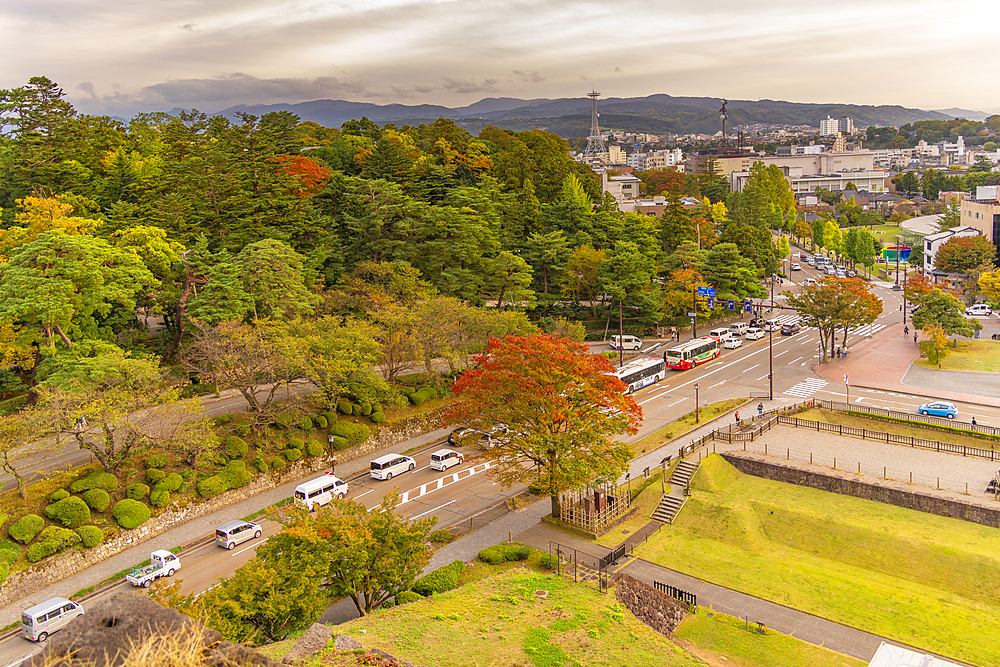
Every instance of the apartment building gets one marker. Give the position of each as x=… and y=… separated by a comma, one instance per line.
x=933, y=242
x=833, y=126
x=655, y=159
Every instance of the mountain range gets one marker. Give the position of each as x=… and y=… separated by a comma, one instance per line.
x=570, y=117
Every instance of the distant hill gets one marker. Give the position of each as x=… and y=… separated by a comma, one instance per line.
x=570, y=117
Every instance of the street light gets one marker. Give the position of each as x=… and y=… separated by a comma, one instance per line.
x=696, y=415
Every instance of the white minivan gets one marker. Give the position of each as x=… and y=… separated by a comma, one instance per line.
x=320, y=491
x=628, y=343
x=384, y=467
x=738, y=328
x=979, y=309
x=443, y=459
x=40, y=621
x=719, y=334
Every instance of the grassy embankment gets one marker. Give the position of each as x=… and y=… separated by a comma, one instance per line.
x=927, y=580
x=944, y=434
x=969, y=355
x=501, y=621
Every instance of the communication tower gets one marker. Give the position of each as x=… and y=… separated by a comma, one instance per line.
x=596, y=149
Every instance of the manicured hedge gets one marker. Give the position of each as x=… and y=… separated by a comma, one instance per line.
x=260, y=464
x=157, y=460
x=278, y=463
x=306, y=423
x=492, y=555
x=153, y=475
x=137, y=491
x=97, y=499
x=378, y=417
x=236, y=447
x=52, y=540
x=70, y=512
x=314, y=448
x=233, y=476
x=407, y=597
x=331, y=418
x=58, y=495
x=322, y=422
x=366, y=409
x=24, y=529
x=95, y=480
x=344, y=407
x=440, y=580
x=171, y=482
x=293, y=454
x=90, y=535
x=355, y=434
x=549, y=561
x=211, y=486
x=8, y=551
x=340, y=442
x=130, y=513
x=159, y=498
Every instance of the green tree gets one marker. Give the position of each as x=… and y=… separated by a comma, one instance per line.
x=952, y=217
x=732, y=275
x=548, y=254
x=930, y=183
x=964, y=254
x=939, y=309
x=934, y=347
x=908, y=183
x=272, y=274
x=508, y=280
x=582, y=278
x=677, y=225
x=561, y=407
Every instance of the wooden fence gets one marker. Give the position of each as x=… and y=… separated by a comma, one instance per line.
x=690, y=599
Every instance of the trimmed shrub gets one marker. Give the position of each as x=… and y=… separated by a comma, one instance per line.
x=40, y=550
x=355, y=409
x=157, y=460
x=321, y=422
x=236, y=447
x=24, y=529
x=296, y=443
x=331, y=418
x=97, y=500
x=260, y=464
x=159, y=498
x=4, y=571
x=313, y=448
x=52, y=540
x=356, y=434
x=154, y=475
x=378, y=417
x=171, y=482
x=58, y=495
x=340, y=443
x=211, y=486
x=306, y=423
x=130, y=513
x=91, y=536
x=406, y=597
x=293, y=454
x=441, y=536
x=366, y=409
x=137, y=491
x=278, y=463
x=95, y=480
x=440, y=580
x=492, y=555
x=235, y=475
x=344, y=407
x=70, y=512
x=549, y=561
x=8, y=551
x=417, y=397
x=515, y=552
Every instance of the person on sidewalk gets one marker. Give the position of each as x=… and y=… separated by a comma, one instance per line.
x=914, y=336
x=737, y=416
x=760, y=409
x=906, y=331
x=973, y=421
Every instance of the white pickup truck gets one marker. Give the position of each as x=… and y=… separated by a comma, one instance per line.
x=162, y=563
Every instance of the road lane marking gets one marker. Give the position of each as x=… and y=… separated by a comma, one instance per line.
x=680, y=401
x=433, y=510
x=793, y=361
x=716, y=385
x=440, y=483
x=252, y=546
x=363, y=494
x=761, y=377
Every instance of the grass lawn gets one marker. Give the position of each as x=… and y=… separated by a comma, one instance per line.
x=930, y=581
x=831, y=417
x=971, y=355
x=686, y=423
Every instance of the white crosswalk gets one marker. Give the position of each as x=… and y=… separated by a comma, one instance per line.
x=864, y=330
x=806, y=388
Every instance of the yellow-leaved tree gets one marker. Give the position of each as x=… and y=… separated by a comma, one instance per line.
x=42, y=214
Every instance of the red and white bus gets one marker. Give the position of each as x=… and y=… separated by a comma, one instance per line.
x=641, y=373
x=690, y=354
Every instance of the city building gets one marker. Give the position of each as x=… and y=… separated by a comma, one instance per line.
x=983, y=213
x=616, y=155
x=834, y=126
x=622, y=187
x=872, y=180
x=933, y=242
x=655, y=159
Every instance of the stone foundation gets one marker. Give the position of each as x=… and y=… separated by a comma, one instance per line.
x=657, y=610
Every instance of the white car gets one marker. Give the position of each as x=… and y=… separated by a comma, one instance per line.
x=754, y=334
x=796, y=267
x=732, y=343
x=979, y=309
x=443, y=459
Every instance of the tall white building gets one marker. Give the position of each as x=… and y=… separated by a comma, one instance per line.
x=832, y=126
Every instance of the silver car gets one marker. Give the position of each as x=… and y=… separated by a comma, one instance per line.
x=236, y=532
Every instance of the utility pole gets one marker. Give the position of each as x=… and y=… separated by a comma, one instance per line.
x=770, y=363
x=694, y=309
x=621, y=334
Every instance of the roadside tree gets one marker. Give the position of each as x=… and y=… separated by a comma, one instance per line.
x=935, y=346
x=561, y=408
x=939, y=309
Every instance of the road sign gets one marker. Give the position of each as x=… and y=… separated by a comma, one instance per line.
x=691, y=314
x=747, y=304
x=706, y=291
x=711, y=302
x=845, y=378
x=731, y=305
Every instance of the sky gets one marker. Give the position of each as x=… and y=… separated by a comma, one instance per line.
x=120, y=57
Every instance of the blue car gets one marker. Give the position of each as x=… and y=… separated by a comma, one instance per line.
x=939, y=409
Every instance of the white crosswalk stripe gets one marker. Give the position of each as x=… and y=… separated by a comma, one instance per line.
x=806, y=388
x=865, y=330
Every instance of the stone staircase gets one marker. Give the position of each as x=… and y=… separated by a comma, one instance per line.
x=671, y=503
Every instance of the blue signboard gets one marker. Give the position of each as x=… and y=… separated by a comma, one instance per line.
x=706, y=291
x=731, y=304
x=747, y=305
x=711, y=303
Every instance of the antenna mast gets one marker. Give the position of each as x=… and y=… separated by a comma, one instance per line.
x=596, y=149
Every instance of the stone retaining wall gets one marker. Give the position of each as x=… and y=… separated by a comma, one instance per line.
x=900, y=497
x=19, y=584
x=657, y=610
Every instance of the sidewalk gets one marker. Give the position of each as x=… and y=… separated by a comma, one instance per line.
x=200, y=528
x=885, y=362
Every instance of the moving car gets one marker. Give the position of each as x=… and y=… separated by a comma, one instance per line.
x=320, y=491
x=754, y=334
x=789, y=329
x=732, y=343
x=384, y=467
x=795, y=267
x=162, y=563
x=236, y=532
x=979, y=309
x=627, y=343
x=939, y=409
x=41, y=620
x=443, y=459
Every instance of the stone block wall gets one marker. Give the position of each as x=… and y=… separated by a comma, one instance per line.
x=19, y=584
x=847, y=486
x=657, y=610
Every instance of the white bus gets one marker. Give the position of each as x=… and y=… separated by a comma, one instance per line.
x=641, y=373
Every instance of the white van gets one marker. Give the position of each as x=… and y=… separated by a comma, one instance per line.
x=738, y=328
x=719, y=334
x=384, y=467
x=443, y=459
x=979, y=309
x=320, y=491
x=628, y=343
x=40, y=621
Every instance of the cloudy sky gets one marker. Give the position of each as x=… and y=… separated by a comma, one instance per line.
x=118, y=57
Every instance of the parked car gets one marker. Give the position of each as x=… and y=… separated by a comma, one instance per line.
x=754, y=334
x=939, y=409
x=443, y=459
x=789, y=329
x=627, y=343
x=229, y=535
x=851, y=273
x=162, y=563
x=795, y=267
x=732, y=343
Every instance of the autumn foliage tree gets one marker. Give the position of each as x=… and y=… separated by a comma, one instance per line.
x=560, y=407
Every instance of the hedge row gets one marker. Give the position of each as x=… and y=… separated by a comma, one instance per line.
x=440, y=580
x=233, y=476
x=501, y=553
x=24, y=529
x=70, y=512
x=95, y=480
x=354, y=434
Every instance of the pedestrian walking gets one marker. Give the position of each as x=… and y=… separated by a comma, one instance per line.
x=737, y=416
x=760, y=409
x=906, y=331
x=900, y=307
x=973, y=421
x=664, y=356
x=914, y=336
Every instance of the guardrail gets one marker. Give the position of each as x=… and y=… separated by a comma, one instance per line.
x=690, y=599
x=908, y=416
